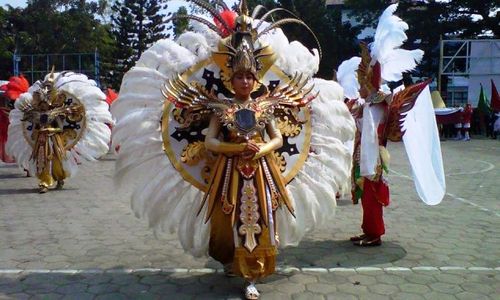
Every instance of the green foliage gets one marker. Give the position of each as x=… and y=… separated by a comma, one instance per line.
x=337, y=40
x=137, y=24
x=180, y=25
x=430, y=20
x=6, y=45
x=51, y=27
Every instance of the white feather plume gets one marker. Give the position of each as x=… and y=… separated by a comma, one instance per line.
x=95, y=138
x=166, y=200
x=347, y=77
x=389, y=37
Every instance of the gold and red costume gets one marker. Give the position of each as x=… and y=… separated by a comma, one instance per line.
x=382, y=115
x=57, y=121
x=16, y=86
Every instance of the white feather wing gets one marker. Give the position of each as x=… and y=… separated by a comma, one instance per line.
x=347, y=77
x=161, y=196
x=385, y=49
x=17, y=146
x=168, y=202
x=95, y=138
x=326, y=170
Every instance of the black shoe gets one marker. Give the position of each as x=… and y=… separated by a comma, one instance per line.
x=357, y=237
x=369, y=242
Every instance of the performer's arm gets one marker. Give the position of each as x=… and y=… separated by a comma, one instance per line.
x=275, y=143
x=213, y=144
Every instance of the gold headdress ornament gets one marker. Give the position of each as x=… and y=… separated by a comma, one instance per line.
x=369, y=77
x=47, y=92
x=239, y=50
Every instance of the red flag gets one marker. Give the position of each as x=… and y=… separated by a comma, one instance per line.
x=495, y=99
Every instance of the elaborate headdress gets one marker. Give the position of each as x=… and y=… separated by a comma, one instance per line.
x=47, y=93
x=385, y=60
x=239, y=49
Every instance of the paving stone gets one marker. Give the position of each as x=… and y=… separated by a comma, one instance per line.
x=103, y=288
x=162, y=289
x=371, y=296
x=307, y=296
x=351, y=288
x=72, y=288
x=48, y=296
x=406, y=296
x=11, y=288
x=363, y=280
x=19, y=296
x=110, y=296
x=341, y=296
x=383, y=289
x=89, y=225
x=448, y=288
x=480, y=288
x=414, y=288
x=390, y=279
x=439, y=296
x=471, y=296
x=290, y=288
x=303, y=278
x=274, y=296
x=321, y=288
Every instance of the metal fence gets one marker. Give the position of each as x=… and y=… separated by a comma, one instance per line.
x=36, y=66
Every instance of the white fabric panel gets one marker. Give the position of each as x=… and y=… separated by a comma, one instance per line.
x=423, y=148
x=369, y=152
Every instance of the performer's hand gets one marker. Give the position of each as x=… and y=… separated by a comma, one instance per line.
x=248, y=155
x=252, y=146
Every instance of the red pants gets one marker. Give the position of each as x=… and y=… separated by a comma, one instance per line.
x=375, y=197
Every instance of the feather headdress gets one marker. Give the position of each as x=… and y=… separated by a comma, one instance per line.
x=385, y=60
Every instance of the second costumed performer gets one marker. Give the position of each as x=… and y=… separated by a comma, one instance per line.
x=218, y=125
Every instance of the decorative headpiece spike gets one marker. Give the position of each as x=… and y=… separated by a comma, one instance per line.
x=51, y=86
x=243, y=8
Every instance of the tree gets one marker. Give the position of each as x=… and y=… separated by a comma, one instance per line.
x=446, y=19
x=137, y=25
x=337, y=40
x=180, y=25
x=6, y=44
x=51, y=26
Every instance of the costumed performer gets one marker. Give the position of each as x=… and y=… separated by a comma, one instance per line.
x=466, y=120
x=382, y=115
x=58, y=121
x=220, y=148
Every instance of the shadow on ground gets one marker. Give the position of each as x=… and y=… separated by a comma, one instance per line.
x=340, y=254
x=123, y=286
x=18, y=191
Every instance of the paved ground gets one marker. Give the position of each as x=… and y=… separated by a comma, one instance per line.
x=84, y=243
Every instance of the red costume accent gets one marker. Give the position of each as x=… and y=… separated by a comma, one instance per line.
x=375, y=197
x=230, y=17
x=16, y=87
x=467, y=114
x=111, y=96
x=4, y=125
x=12, y=90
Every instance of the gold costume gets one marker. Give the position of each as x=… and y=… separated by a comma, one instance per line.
x=242, y=199
x=243, y=191
x=45, y=117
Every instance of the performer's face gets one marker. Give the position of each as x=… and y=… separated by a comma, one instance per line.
x=243, y=83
